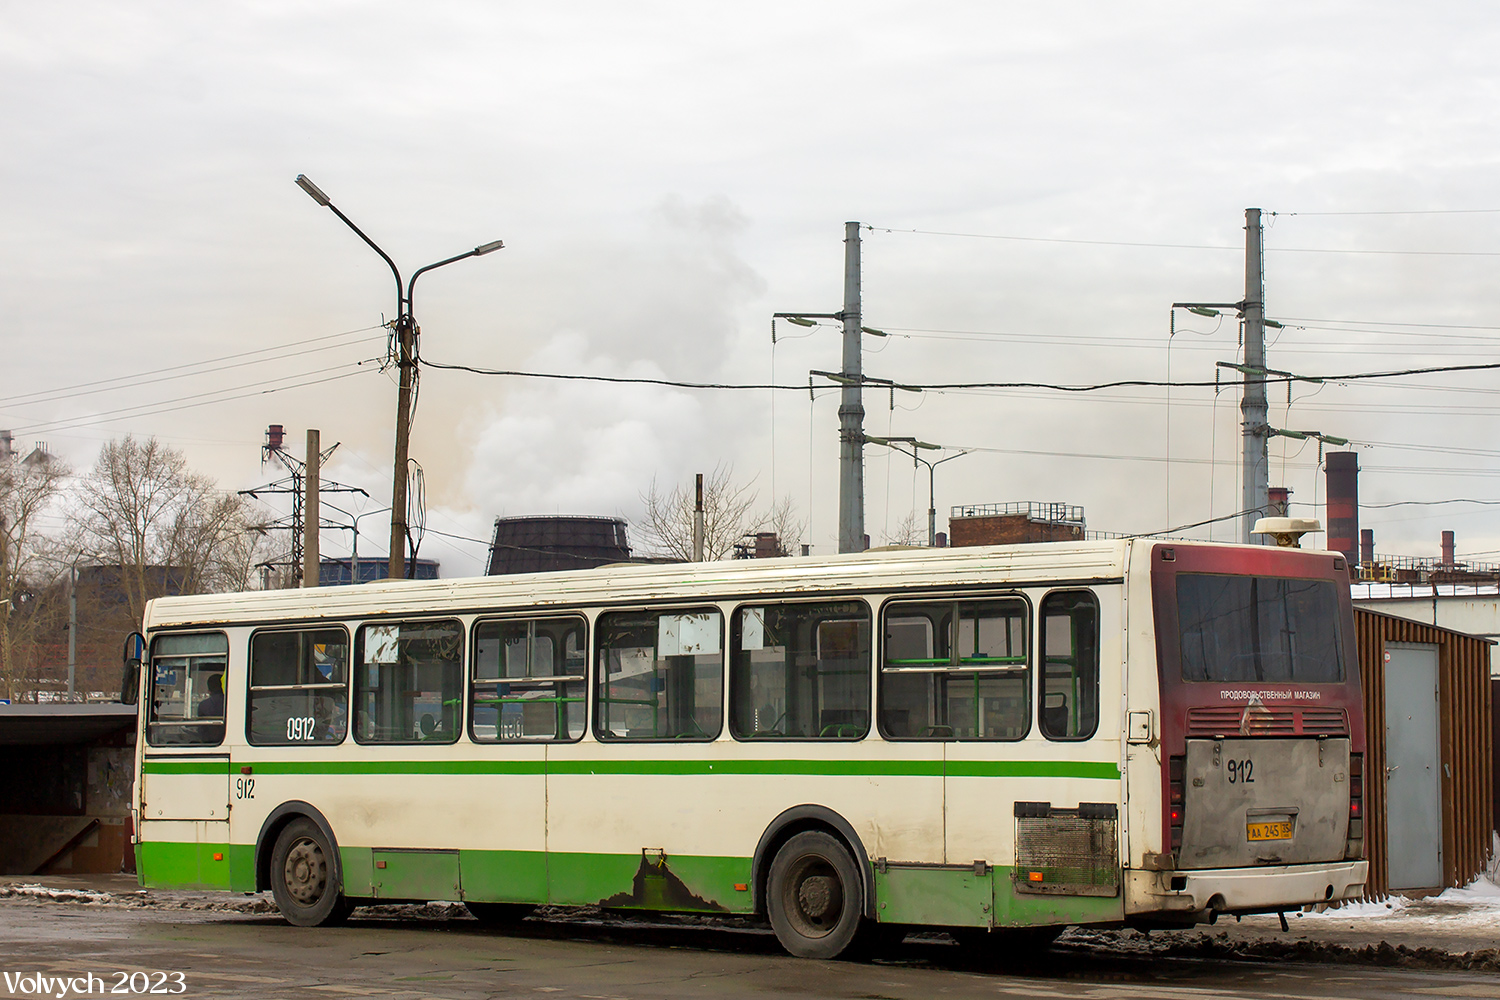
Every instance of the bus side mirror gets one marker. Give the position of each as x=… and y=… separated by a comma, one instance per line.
x=130, y=674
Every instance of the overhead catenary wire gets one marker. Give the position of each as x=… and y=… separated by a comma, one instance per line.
x=920, y=386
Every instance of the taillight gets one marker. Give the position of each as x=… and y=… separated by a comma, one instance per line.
x=1354, y=848
x=1176, y=766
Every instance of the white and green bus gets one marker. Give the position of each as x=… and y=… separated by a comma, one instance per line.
x=978, y=739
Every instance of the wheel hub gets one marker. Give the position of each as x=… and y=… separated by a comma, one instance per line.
x=818, y=896
x=306, y=872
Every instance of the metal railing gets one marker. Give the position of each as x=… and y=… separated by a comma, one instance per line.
x=1051, y=513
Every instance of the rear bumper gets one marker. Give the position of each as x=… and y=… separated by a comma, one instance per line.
x=1242, y=890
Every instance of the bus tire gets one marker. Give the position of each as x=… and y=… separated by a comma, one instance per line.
x=499, y=914
x=304, y=880
x=813, y=894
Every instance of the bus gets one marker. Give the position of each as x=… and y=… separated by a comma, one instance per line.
x=998, y=742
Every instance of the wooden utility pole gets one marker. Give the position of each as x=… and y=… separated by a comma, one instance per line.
x=311, y=518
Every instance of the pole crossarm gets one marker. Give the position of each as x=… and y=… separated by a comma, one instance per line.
x=893, y=441
x=1210, y=308
x=1258, y=370
x=1305, y=435
x=842, y=379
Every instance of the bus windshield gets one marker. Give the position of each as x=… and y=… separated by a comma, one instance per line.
x=1256, y=628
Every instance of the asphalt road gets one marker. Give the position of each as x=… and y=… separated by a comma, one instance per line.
x=423, y=955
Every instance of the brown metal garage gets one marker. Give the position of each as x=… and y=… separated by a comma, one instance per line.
x=1391, y=654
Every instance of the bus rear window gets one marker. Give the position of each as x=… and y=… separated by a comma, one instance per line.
x=1259, y=629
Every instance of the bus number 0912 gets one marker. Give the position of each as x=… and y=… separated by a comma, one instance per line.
x=299, y=729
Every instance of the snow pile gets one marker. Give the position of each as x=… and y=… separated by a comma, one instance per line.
x=34, y=891
x=1482, y=894
x=1389, y=906
x=1475, y=905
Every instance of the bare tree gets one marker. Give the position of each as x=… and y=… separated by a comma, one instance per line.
x=668, y=526
x=908, y=532
x=729, y=518
x=166, y=527
x=27, y=489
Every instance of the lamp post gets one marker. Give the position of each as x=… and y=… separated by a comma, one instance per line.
x=354, y=545
x=406, y=355
x=916, y=446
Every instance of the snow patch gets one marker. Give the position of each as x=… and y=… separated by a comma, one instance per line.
x=35, y=891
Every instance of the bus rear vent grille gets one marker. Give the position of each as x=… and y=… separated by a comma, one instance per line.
x=1262, y=720
x=1067, y=852
x=1325, y=721
x=1240, y=720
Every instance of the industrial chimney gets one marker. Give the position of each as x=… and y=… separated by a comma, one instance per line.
x=1343, y=505
x=1366, y=546
x=1448, y=560
x=1279, y=501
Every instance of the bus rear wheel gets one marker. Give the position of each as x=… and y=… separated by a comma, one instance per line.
x=813, y=896
x=303, y=882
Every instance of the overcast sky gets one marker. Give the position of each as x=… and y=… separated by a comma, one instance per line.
x=665, y=176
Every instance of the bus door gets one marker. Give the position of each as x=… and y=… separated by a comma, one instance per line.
x=183, y=790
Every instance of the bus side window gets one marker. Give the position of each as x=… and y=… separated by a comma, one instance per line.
x=299, y=687
x=801, y=671
x=955, y=670
x=528, y=680
x=660, y=675
x=408, y=682
x=1070, y=665
x=185, y=670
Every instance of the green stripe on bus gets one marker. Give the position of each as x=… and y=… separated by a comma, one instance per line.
x=1100, y=770
x=399, y=767
x=1103, y=770
x=159, y=766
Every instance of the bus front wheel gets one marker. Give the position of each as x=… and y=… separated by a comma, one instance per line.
x=813, y=896
x=303, y=882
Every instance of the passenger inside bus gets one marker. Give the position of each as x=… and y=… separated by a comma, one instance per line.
x=212, y=707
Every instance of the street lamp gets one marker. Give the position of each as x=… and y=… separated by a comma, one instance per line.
x=916, y=446
x=354, y=546
x=406, y=341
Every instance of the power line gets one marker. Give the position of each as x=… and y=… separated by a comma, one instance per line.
x=1188, y=246
x=1050, y=239
x=921, y=386
x=135, y=378
x=1382, y=322
x=112, y=415
x=613, y=379
x=1415, y=211
x=1429, y=503
x=40, y=398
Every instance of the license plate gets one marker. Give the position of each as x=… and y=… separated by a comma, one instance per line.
x=1268, y=831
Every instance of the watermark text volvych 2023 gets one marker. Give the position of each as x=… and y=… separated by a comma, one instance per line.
x=41, y=984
